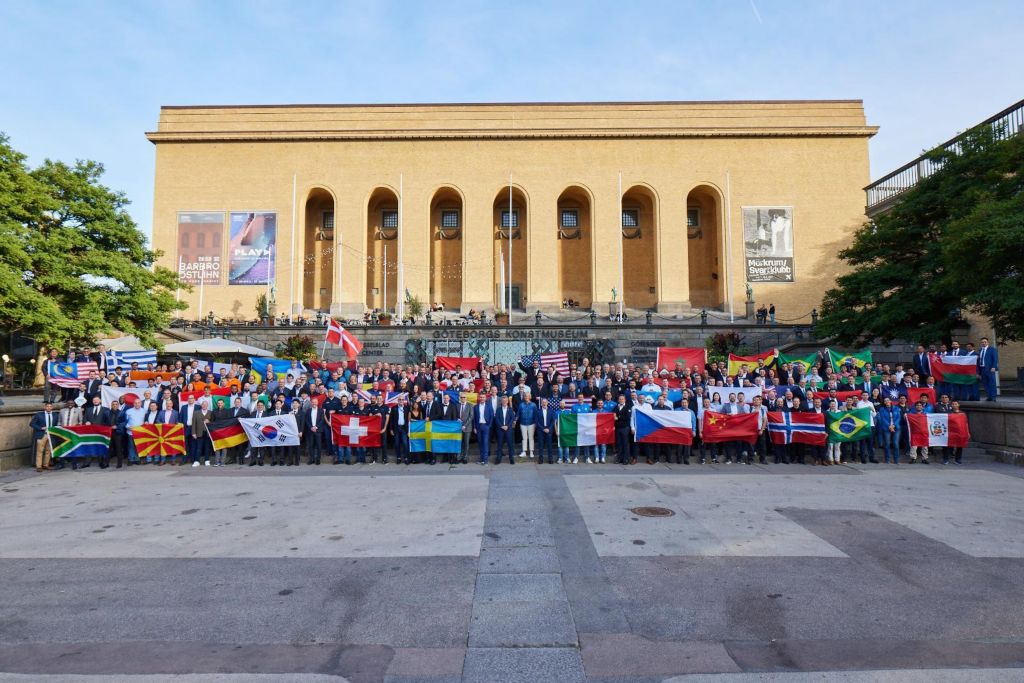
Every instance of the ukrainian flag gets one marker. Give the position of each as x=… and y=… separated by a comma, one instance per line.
x=439, y=436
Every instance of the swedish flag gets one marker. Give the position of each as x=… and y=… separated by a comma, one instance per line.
x=439, y=436
x=852, y=425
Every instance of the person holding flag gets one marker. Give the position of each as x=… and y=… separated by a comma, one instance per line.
x=339, y=336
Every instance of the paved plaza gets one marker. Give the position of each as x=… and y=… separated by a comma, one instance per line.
x=514, y=573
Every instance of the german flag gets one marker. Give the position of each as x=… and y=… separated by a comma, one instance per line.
x=226, y=433
x=159, y=439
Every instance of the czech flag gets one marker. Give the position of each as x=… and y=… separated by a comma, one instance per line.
x=663, y=426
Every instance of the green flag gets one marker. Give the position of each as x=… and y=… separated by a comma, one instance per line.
x=849, y=425
x=858, y=358
x=801, y=363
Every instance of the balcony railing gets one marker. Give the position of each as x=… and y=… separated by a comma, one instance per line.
x=882, y=193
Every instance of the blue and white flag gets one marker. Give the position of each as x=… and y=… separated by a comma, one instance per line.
x=124, y=359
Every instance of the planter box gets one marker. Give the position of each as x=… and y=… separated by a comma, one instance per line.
x=384, y=322
x=501, y=319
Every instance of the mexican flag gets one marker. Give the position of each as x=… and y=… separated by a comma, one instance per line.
x=954, y=369
x=585, y=429
x=938, y=429
x=801, y=363
x=858, y=358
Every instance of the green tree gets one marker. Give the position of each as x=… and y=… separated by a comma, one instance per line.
x=73, y=264
x=954, y=242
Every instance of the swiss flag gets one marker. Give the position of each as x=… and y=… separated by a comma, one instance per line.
x=355, y=431
x=339, y=336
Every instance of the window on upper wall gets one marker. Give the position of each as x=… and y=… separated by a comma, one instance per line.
x=631, y=218
x=450, y=218
x=570, y=218
x=506, y=223
x=328, y=220
x=693, y=217
x=389, y=218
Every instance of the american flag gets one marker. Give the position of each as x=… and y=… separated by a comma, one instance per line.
x=70, y=375
x=558, y=362
x=565, y=403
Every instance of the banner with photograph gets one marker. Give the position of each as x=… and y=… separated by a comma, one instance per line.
x=252, y=247
x=768, y=243
x=200, y=247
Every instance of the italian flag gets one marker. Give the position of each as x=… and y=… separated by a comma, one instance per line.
x=943, y=429
x=585, y=429
x=954, y=369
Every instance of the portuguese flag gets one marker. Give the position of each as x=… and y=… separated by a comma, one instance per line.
x=80, y=441
x=858, y=359
x=801, y=363
x=226, y=434
x=585, y=429
x=849, y=425
x=954, y=369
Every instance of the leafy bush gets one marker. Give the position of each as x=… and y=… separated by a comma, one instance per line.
x=299, y=347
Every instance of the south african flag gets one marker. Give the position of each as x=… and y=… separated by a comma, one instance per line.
x=80, y=441
x=159, y=439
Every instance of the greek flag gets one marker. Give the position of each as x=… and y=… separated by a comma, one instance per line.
x=124, y=359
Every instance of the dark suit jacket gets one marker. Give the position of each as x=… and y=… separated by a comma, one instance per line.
x=89, y=415
x=921, y=364
x=509, y=419
x=439, y=411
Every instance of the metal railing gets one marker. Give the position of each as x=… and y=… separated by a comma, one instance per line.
x=883, y=192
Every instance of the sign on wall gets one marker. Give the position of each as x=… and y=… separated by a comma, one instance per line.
x=200, y=247
x=768, y=243
x=252, y=247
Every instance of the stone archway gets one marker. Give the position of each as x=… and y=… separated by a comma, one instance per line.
x=318, y=249
x=382, y=249
x=446, y=245
x=518, y=228
x=574, y=210
x=704, y=249
x=640, y=247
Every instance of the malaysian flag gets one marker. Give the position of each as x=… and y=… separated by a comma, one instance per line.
x=125, y=359
x=559, y=362
x=70, y=375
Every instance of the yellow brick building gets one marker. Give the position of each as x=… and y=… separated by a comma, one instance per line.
x=674, y=205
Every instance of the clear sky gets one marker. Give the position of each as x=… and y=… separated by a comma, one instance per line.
x=86, y=79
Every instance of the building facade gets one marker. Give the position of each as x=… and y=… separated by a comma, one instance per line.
x=665, y=206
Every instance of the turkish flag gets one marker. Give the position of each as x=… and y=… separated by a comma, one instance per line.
x=720, y=427
x=355, y=431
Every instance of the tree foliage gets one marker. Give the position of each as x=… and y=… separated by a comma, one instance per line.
x=955, y=242
x=73, y=264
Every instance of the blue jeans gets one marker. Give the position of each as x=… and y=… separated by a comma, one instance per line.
x=401, y=444
x=891, y=443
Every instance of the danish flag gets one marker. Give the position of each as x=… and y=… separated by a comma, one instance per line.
x=339, y=336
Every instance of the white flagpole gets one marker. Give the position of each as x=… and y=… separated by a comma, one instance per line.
x=728, y=244
x=291, y=284
x=501, y=276
x=509, y=309
x=622, y=258
x=270, y=266
x=202, y=283
x=386, y=277
x=400, y=295
x=177, y=291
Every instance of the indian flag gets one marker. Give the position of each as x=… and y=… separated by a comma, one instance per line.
x=954, y=369
x=585, y=429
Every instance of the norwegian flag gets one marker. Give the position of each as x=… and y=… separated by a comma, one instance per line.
x=339, y=336
x=70, y=375
x=559, y=362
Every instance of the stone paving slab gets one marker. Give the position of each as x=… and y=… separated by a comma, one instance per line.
x=539, y=560
x=524, y=665
x=518, y=588
x=522, y=624
x=624, y=655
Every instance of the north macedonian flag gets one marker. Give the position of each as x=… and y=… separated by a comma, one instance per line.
x=159, y=439
x=850, y=425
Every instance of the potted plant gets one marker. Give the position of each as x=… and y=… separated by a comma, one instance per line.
x=384, y=319
x=413, y=306
x=500, y=316
x=262, y=309
x=272, y=310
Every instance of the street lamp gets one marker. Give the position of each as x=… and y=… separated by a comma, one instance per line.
x=648, y=316
x=537, y=318
x=703, y=316
x=593, y=318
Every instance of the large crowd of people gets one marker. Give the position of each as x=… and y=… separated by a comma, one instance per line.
x=506, y=410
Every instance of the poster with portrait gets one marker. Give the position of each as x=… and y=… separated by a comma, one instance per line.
x=768, y=243
x=252, y=247
x=200, y=247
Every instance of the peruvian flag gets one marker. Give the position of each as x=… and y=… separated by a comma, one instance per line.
x=339, y=336
x=663, y=426
x=670, y=356
x=938, y=429
x=355, y=431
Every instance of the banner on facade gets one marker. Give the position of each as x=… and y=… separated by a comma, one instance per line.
x=768, y=243
x=252, y=247
x=200, y=247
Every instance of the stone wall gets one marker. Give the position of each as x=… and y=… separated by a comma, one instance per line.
x=15, y=439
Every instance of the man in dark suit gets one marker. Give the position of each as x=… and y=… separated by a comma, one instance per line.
x=96, y=414
x=504, y=421
x=483, y=419
x=988, y=368
x=314, y=428
x=623, y=418
x=921, y=364
x=398, y=427
x=40, y=424
x=545, y=433
x=465, y=411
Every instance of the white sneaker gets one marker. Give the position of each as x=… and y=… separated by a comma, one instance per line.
x=602, y=459
x=589, y=462
x=575, y=461
x=195, y=464
x=207, y=463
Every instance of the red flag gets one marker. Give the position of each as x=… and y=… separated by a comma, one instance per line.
x=355, y=431
x=720, y=427
x=339, y=336
x=215, y=391
x=334, y=332
x=669, y=356
x=915, y=394
x=328, y=366
x=938, y=429
x=451, y=362
x=797, y=428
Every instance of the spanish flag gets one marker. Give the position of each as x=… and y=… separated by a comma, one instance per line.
x=226, y=433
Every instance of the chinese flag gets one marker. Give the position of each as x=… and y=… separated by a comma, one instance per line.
x=720, y=427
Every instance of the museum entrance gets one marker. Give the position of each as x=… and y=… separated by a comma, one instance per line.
x=599, y=351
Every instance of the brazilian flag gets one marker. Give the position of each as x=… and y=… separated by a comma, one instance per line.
x=857, y=359
x=849, y=425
